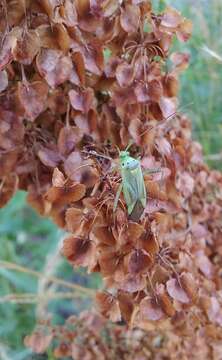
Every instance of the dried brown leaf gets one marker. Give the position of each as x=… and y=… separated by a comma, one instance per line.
x=66, y=13
x=185, y=30
x=150, y=243
x=180, y=60
x=214, y=311
x=132, y=283
x=68, y=138
x=164, y=301
x=130, y=17
x=185, y=183
x=62, y=37
x=65, y=195
x=79, y=251
x=108, y=306
x=79, y=65
x=73, y=218
x=171, y=18
x=176, y=292
x=189, y=285
x=126, y=305
x=204, y=263
x=49, y=157
x=142, y=92
x=33, y=97
x=54, y=66
x=139, y=262
x=167, y=106
x=8, y=44
x=135, y=231
x=104, y=236
x=58, y=179
x=125, y=74
x=82, y=101
x=150, y=310
x=27, y=47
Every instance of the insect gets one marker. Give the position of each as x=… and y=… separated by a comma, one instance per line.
x=132, y=185
x=132, y=179
x=132, y=182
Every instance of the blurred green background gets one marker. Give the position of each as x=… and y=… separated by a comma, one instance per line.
x=33, y=242
x=201, y=82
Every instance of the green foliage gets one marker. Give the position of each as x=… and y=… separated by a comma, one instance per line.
x=201, y=82
x=25, y=239
x=28, y=240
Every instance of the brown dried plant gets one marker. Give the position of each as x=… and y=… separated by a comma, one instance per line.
x=79, y=79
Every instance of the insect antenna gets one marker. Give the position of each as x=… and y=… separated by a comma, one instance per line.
x=76, y=169
x=166, y=120
x=129, y=145
x=94, y=153
x=118, y=149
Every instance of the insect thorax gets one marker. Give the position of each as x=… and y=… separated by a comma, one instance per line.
x=128, y=162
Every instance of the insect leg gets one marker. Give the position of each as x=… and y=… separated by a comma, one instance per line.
x=152, y=171
x=117, y=197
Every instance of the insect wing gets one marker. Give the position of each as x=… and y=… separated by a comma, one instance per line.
x=133, y=185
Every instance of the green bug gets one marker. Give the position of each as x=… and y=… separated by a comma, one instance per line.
x=132, y=185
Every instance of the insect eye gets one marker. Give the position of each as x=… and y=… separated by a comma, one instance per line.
x=123, y=164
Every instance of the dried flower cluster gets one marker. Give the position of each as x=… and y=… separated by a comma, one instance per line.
x=90, y=337
x=77, y=79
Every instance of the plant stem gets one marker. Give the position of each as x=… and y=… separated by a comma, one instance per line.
x=13, y=266
x=33, y=298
